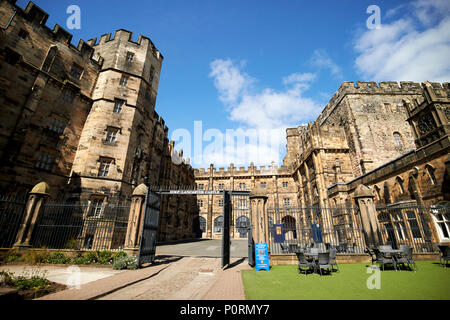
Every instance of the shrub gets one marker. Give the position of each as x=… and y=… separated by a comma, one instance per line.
x=13, y=257
x=72, y=244
x=79, y=260
x=91, y=257
x=36, y=280
x=128, y=262
x=57, y=258
x=35, y=257
x=118, y=254
x=105, y=257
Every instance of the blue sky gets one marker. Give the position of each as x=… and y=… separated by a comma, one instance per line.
x=268, y=64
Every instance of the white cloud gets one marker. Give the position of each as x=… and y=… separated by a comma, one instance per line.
x=415, y=47
x=321, y=59
x=267, y=111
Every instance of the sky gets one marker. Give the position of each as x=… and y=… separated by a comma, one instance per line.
x=236, y=74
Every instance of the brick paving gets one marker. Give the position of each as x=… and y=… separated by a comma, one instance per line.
x=174, y=278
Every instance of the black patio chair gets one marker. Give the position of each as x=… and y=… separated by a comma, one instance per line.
x=293, y=248
x=406, y=257
x=386, y=247
x=343, y=247
x=333, y=261
x=372, y=254
x=304, y=263
x=327, y=246
x=382, y=259
x=284, y=247
x=324, y=262
x=445, y=254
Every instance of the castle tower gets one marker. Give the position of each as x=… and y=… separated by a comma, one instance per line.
x=122, y=128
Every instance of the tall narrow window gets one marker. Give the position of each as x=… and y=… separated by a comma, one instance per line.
x=221, y=203
x=430, y=171
x=124, y=81
x=152, y=74
x=96, y=207
x=200, y=203
x=242, y=186
x=287, y=202
x=118, y=104
x=105, y=164
x=400, y=185
x=398, y=139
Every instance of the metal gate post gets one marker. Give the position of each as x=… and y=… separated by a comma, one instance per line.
x=251, y=247
x=226, y=229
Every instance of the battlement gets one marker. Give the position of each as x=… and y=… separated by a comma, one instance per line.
x=238, y=172
x=38, y=17
x=127, y=36
x=432, y=92
x=368, y=87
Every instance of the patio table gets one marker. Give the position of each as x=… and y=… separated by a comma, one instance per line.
x=315, y=256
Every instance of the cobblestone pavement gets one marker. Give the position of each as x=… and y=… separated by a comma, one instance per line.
x=190, y=278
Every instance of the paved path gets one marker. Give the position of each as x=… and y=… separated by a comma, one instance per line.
x=96, y=289
x=204, y=248
x=190, y=278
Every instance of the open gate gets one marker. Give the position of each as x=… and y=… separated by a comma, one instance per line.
x=236, y=205
x=149, y=228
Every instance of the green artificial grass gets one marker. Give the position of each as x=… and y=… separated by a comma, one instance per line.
x=429, y=282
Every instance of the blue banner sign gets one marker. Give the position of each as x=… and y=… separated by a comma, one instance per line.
x=278, y=233
x=316, y=232
x=262, y=256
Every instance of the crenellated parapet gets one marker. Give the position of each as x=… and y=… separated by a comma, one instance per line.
x=123, y=35
x=368, y=88
x=251, y=170
x=38, y=18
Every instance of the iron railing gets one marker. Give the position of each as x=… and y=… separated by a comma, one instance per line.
x=82, y=226
x=12, y=213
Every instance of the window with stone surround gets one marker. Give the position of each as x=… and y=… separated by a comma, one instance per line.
x=46, y=159
x=200, y=186
x=130, y=57
x=152, y=75
x=105, y=165
x=287, y=202
x=202, y=224
x=220, y=202
x=76, y=72
x=57, y=124
x=285, y=184
x=68, y=95
x=398, y=139
x=96, y=206
x=23, y=34
x=221, y=186
x=400, y=185
x=263, y=185
x=442, y=221
x=111, y=134
x=218, y=224
x=118, y=105
x=241, y=186
x=124, y=80
x=200, y=203
x=11, y=56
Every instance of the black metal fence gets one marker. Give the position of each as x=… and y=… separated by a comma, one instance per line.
x=409, y=225
x=342, y=228
x=90, y=226
x=317, y=227
x=12, y=213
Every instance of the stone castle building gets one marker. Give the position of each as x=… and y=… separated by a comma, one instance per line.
x=393, y=139
x=82, y=118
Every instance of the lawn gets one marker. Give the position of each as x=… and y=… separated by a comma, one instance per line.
x=429, y=282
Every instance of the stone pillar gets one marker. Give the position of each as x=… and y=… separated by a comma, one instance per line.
x=135, y=219
x=371, y=227
x=260, y=221
x=36, y=200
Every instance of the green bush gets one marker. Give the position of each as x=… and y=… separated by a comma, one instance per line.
x=128, y=262
x=35, y=257
x=14, y=258
x=72, y=244
x=91, y=257
x=79, y=260
x=118, y=254
x=57, y=258
x=105, y=257
x=36, y=280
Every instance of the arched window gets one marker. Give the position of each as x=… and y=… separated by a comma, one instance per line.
x=430, y=170
x=242, y=224
x=398, y=139
x=202, y=224
x=289, y=227
x=377, y=192
x=218, y=224
x=400, y=185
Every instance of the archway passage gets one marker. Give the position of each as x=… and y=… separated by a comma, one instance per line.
x=235, y=204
